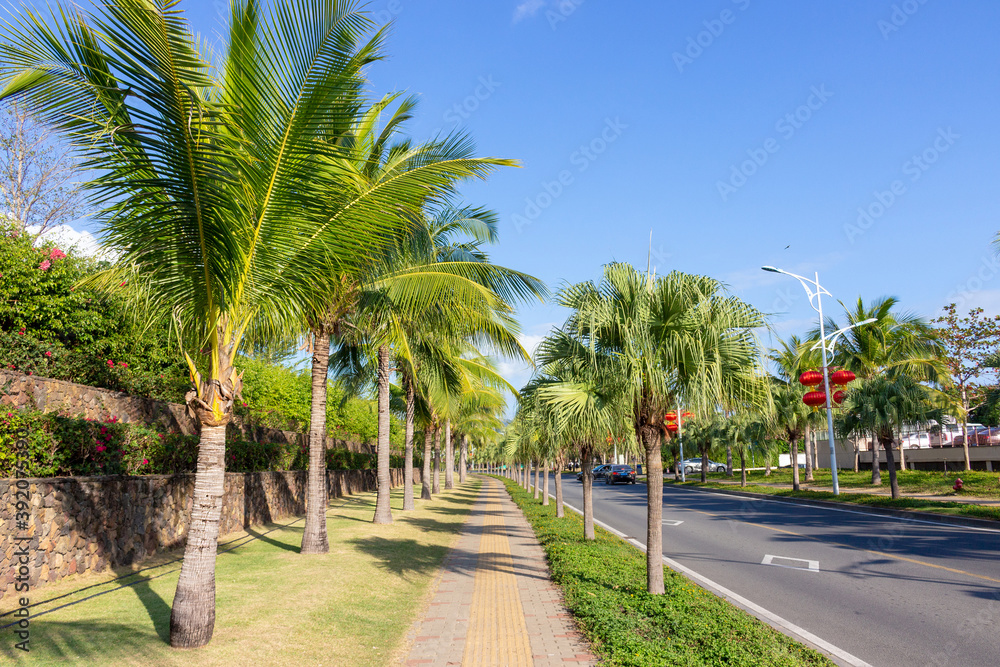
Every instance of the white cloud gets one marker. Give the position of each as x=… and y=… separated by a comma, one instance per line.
x=81, y=243
x=527, y=8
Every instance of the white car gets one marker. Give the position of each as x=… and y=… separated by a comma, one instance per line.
x=916, y=441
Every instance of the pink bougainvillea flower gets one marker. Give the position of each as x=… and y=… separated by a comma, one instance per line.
x=57, y=254
x=44, y=266
x=244, y=404
x=123, y=364
x=161, y=436
x=48, y=354
x=145, y=462
x=104, y=429
x=110, y=363
x=100, y=449
x=21, y=332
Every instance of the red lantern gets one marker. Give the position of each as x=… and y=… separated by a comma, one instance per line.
x=840, y=378
x=670, y=416
x=672, y=427
x=688, y=415
x=839, y=397
x=814, y=399
x=811, y=378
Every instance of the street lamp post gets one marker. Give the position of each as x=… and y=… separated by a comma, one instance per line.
x=815, y=300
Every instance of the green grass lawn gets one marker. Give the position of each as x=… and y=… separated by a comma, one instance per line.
x=604, y=585
x=976, y=484
x=351, y=607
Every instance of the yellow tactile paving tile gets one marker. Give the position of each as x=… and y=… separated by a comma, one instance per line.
x=498, y=634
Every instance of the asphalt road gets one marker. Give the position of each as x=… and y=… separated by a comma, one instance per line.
x=888, y=591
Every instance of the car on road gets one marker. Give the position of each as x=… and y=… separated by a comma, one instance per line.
x=599, y=472
x=620, y=474
x=694, y=465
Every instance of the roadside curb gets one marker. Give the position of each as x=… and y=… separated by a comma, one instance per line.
x=970, y=522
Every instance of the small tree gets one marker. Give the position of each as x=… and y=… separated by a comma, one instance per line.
x=968, y=341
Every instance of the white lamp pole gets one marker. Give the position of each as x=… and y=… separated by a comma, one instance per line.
x=815, y=291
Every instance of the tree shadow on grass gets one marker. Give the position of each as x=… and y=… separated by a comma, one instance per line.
x=404, y=558
x=156, y=607
x=91, y=643
x=432, y=525
x=285, y=546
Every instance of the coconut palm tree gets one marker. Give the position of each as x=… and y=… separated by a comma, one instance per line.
x=880, y=406
x=790, y=417
x=215, y=185
x=896, y=344
x=790, y=360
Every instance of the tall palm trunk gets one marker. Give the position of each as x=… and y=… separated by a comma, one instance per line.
x=886, y=441
x=545, y=482
x=437, y=459
x=538, y=490
x=743, y=468
x=704, y=466
x=192, y=618
x=810, y=446
x=654, y=509
x=463, y=459
x=587, y=456
x=411, y=411
x=794, y=442
x=425, y=477
x=559, y=490
x=449, y=457
x=383, y=512
x=729, y=460
x=876, y=469
x=314, y=539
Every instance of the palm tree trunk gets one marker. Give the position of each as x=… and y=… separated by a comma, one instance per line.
x=587, y=456
x=795, y=463
x=383, y=511
x=314, y=539
x=704, y=466
x=463, y=459
x=411, y=410
x=857, y=456
x=545, y=482
x=192, y=618
x=891, y=465
x=876, y=470
x=559, y=490
x=810, y=446
x=743, y=468
x=449, y=457
x=437, y=459
x=729, y=460
x=425, y=477
x=537, y=481
x=654, y=510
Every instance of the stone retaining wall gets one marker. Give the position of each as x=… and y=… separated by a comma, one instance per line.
x=88, y=524
x=77, y=400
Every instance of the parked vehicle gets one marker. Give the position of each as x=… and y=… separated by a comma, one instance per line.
x=982, y=436
x=916, y=441
x=599, y=472
x=951, y=435
x=694, y=465
x=620, y=474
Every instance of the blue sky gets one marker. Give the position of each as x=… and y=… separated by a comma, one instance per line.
x=857, y=138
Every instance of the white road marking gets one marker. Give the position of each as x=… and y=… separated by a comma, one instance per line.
x=772, y=619
x=669, y=522
x=811, y=565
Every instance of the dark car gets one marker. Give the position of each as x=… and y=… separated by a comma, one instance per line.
x=620, y=474
x=599, y=472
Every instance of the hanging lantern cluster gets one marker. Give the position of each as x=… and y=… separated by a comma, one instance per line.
x=671, y=419
x=816, y=398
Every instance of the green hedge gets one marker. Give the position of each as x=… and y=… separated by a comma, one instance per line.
x=604, y=584
x=60, y=445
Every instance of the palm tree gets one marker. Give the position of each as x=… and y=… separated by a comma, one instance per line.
x=879, y=407
x=663, y=338
x=896, y=344
x=791, y=359
x=217, y=187
x=790, y=417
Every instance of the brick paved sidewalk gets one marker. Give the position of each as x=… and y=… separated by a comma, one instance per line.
x=494, y=603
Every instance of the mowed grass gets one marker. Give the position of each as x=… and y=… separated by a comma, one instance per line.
x=976, y=483
x=351, y=607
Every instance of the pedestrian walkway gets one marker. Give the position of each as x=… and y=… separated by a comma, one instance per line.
x=494, y=603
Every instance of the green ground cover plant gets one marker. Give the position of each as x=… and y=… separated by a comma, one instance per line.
x=604, y=583
x=275, y=607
